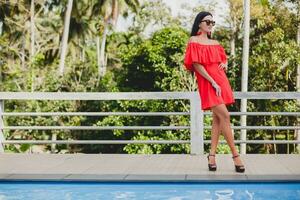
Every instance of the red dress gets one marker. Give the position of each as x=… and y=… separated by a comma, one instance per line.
x=210, y=56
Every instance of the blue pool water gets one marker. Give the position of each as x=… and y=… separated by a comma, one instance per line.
x=153, y=191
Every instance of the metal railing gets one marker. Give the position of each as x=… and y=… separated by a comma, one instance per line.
x=196, y=117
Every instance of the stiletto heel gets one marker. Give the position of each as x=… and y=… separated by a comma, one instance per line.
x=211, y=167
x=239, y=168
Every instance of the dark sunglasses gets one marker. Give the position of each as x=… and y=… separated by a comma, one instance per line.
x=209, y=22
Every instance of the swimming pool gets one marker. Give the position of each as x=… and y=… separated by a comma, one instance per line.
x=153, y=191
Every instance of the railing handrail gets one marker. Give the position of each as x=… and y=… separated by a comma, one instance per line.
x=196, y=115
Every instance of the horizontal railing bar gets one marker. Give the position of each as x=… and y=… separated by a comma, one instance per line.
x=140, y=127
x=135, y=95
x=259, y=141
x=96, y=142
x=262, y=127
x=137, y=113
x=94, y=95
x=92, y=113
x=142, y=141
x=94, y=127
x=267, y=95
x=259, y=113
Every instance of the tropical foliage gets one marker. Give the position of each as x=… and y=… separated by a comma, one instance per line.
x=38, y=54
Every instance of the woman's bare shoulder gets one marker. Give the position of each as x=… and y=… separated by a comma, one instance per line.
x=193, y=39
x=214, y=41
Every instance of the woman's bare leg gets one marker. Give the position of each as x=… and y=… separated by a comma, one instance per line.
x=215, y=134
x=223, y=114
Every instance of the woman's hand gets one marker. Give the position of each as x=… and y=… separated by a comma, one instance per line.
x=223, y=66
x=217, y=88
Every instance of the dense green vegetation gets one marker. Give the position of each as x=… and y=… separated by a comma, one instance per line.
x=100, y=59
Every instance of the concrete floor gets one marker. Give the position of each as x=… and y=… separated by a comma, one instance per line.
x=141, y=167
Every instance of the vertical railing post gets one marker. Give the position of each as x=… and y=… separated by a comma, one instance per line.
x=196, y=124
x=53, y=145
x=54, y=136
x=2, y=138
x=245, y=68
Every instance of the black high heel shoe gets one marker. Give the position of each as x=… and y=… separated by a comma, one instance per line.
x=239, y=168
x=211, y=167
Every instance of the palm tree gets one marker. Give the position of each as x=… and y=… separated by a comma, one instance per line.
x=108, y=9
x=77, y=22
x=64, y=43
x=234, y=20
x=111, y=9
x=14, y=17
x=32, y=28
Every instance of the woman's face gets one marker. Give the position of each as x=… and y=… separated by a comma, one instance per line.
x=207, y=24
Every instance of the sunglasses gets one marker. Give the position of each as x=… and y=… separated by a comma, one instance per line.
x=209, y=22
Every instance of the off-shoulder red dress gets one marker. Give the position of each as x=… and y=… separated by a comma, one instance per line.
x=210, y=56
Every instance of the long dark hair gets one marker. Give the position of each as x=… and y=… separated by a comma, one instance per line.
x=197, y=21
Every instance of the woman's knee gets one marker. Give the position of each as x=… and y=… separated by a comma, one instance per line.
x=221, y=112
x=215, y=118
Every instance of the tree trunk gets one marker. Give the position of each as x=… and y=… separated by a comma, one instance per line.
x=115, y=12
x=102, y=66
x=232, y=49
x=23, y=65
x=1, y=28
x=232, y=40
x=82, y=53
x=98, y=54
x=64, y=43
x=32, y=30
x=232, y=46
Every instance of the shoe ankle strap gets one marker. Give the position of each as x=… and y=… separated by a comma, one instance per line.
x=235, y=156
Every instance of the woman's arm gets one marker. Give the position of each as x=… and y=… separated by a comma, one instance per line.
x=199, y=68
x=203, y=72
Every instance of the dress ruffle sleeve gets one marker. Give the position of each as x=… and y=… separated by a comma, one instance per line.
x=223, y=54
x=189, y=58
x=203, y=54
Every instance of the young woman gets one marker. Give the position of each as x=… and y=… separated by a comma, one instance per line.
x=207, y=58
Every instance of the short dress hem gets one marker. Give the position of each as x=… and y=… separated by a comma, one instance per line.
x=209, y=108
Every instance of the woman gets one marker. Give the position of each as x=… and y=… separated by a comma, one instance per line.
x=207, y=58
